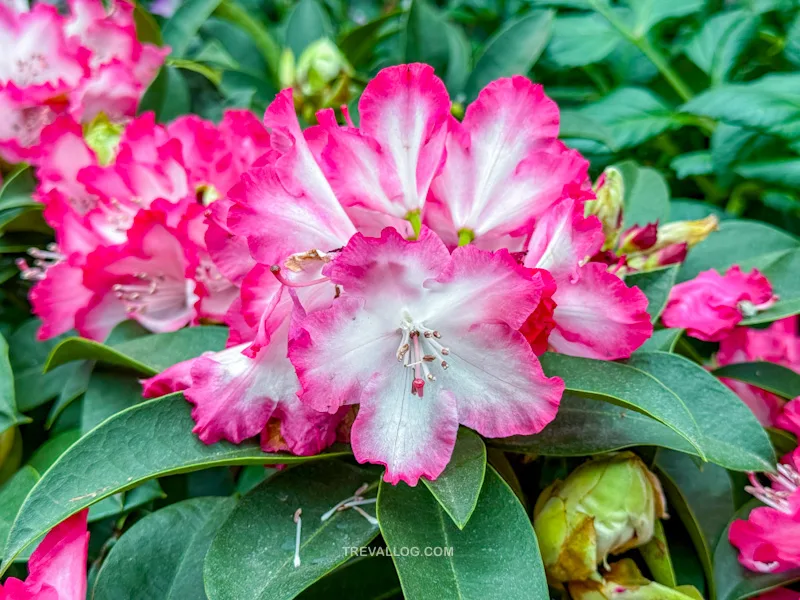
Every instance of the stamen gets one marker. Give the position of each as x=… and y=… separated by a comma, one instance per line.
x=372, y=520
x=354, y=498
x=276, y=271
x=299, y=522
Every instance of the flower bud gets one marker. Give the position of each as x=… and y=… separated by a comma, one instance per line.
x=610, y=193
x=319, y=65
x=638, y=238
x=286, y=69
x=103, y=137
x=668, y=255
x=606, y=506
x=690, y=233
x=623, y=580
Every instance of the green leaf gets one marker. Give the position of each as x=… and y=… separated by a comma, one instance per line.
x=646, y=194
x=28, y=356
x=731, y=144
x=74, y=387
x=372, y=578
x=458, y=487
x=781, y=171
x=657, y=557
x=721, y=41
x=737, y=242
x=495, y=556
x=150, y=440
x=656, y=286
x=703, y=500
x=692, y=163
x=124, y=502
x=162, y=555
x=782, y=274
x=737, y=442
x=575, y=124
x=792, y=48
x=648, y=13
x=632, y=115
x=625, y=386
x=585, y=426
x=513, y=50
x=184, y=24
x=147, y=30
x=148, y=354
x=9, y=417
x=765, y=375
x=307, y=23
x=252, y=555
x=108, y=393
x=358, y=44
x=424, y=40
x=770, y=104
x=48, y=453
x=12, y=495
x=168, y=96
x=734, y=582
x=581, y=39
x=662, y=340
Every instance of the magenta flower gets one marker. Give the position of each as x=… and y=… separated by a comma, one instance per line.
x=711, y=305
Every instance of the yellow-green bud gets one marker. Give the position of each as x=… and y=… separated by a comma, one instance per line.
x=685, y=232
x=286, y=71
x=623, y=580
x=319, y=65
x=103, y=136
x=610, y=192
x=606, y=506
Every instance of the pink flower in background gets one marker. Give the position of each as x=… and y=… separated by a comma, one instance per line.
x=57, y=568
x=780, y=344
x=82, y=64
x=769, y=539
x=779, y=594
x=711, y=305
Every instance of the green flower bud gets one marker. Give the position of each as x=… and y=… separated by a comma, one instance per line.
x=623, y=580
x=103, y=136
x=690, y=233
x=286, y=70
x=606, y=506
x=610, y=192
x=319, y=65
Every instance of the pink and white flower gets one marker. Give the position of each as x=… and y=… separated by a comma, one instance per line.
x=57, y=568
x=424, y=340
x=711, y=305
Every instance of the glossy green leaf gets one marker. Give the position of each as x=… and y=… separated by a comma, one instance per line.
x=575, y=124
x=252, y=555
x=184, y=24
x=662, y=340
x=646, y=194
x=152, y=439
x=12, y=495
x=108, y=393
x=513, y=50
x=782, y=274
x=9, y=417
x=458, y=487
x=581, y=39
x=734, y=582
x=657, y=557
x=74, y=387
x=168, y=96
x=307, y=23
x=628, y=387
x=692, y=163
x=358, y=43
x=495, y=556
x=737, y=242
x=125, y=502
x=162, y=555
x=780, y=171
x=721, y=41
x=648, y=13
x=585, y=426
x=28, y=356
x=765, y=375
x=656, y=286
x=48, y=453
x=369, y=578
x=737, y=442
x=147, y=355
x=701, y=497
x=632, y=115
x=792, y=48
x=423, y=37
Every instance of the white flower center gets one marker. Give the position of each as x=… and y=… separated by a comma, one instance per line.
x=154, y=293
x=419, y=348
x=787, y=480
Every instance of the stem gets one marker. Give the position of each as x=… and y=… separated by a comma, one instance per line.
x=230, y=10
x=646, y=48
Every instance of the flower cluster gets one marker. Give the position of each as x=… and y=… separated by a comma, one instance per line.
x=128, y=209
x=83, y=64
x=413, y=266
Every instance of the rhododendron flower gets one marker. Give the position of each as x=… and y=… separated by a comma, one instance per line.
x=83, y=64
x=789, y=418
x=711, y=305
x=769, y=539
x=424, y=340
x=779, y=594
x=779, y=344
x=57, y=568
